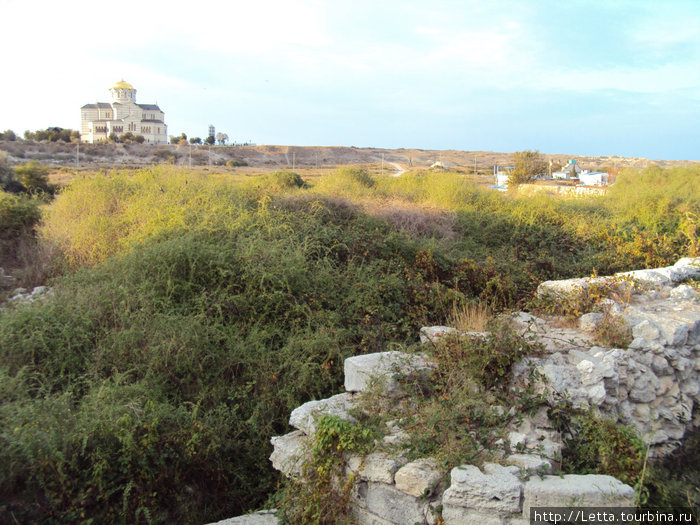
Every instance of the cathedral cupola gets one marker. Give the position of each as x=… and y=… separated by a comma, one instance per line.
x=123, y=92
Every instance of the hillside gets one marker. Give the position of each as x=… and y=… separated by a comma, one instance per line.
x=275, y=157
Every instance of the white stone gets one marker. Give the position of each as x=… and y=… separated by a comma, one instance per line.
x=290, y=452
x=305, y=417
x=497, y=491
x=597, y=394
x=589, y=322
x=377, y=467
x=531, y=463
x=418, y=478
x=651, y=277
x=592, y=490
x=689, y=262
x=263, y=517
x=389, y=503
x=646, y=330
x=455, y=515
x=684, y=293
x=433, y=333
x=362, y=371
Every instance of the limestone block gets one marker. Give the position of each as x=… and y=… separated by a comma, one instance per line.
x=365, y=517
x=377, y=467
x=418, y=478
x=646, y=330
x=304, y=417
x=517, y=439
x=290, y=453
x=589, y=322
x=665, y=385
x=566, y=286
x=592, y=490
x=649, y=277
x=363, y=370
x=263, y=517
x=531, y=463
x=684, y=293
x=690, y=387
x=674, y=332
x=597, y=394
x=689, y=262
x=497, y=491
x=433, y=333
x=389, y=503
x=660, y=366
x=645, y=386
x=456, y=515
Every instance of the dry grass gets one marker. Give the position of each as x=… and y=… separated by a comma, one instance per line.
x=471, y=317
x=413, y=219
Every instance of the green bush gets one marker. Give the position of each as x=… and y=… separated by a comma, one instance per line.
x=18, y=215
x=235, y=163
x=197, y=332
x=34, y=176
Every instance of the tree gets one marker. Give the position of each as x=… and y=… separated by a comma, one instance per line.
x=222, y=138
x=34, y=176
x=8, y=135
x=7, y=174
x=210, y=140
x=195, y=140
x=528, y=166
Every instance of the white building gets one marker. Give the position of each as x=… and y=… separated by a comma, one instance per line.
x=122, y=115
x=594, y=178
x=568, y=172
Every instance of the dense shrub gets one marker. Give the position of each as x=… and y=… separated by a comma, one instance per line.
x=18, y=214
x=199, y=312
x=153, y=381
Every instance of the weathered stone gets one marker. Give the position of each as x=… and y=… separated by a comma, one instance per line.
x=684, y=293
x=649, y=277
x=592, y=490
x=497, y=491
x=304, y=417
x=455, y=515
x=418, y=478
x=589, y=322
x=364, y=370
x=377, y=467
x=263, y=517
x=365, y=517
x=660, y=365
x=389, y=503
x=646, y=330
x=689, y=262
x=431, y=334
x=530, y=463
x=290, y=452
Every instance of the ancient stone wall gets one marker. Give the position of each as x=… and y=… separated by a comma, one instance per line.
x=651, y=384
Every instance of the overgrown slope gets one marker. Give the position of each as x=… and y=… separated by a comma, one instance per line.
x=194, y=314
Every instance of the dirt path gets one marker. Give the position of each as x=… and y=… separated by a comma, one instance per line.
x=399, y=170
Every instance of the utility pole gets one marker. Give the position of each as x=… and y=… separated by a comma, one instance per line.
x=190, y=155
x=382, y=163
x=77, y=155
x=210, y=155
x=294, y=160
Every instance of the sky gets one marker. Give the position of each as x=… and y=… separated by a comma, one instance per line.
x=587, y=77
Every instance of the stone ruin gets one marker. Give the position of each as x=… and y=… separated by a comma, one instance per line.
x=652, y=385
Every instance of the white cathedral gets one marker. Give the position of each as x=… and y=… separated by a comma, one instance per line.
x=123, y=114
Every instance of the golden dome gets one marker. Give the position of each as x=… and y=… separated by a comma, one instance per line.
x=122, y=85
